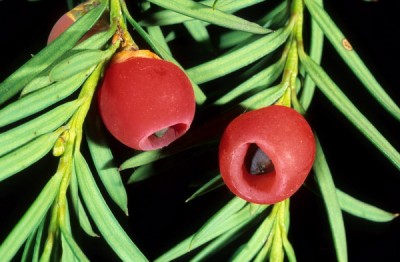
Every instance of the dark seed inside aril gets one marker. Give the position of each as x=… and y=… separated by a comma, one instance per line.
x=257, y=162
x=161, y=133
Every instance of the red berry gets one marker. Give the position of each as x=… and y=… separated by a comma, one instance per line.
x=265, y=155
x=145, y=102
x=71, y=16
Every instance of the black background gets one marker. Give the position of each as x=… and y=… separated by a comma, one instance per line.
x=158, y=216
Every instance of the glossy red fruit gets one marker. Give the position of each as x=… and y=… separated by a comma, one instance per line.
x=265, y=155
x=71, y=16
x=145, y=102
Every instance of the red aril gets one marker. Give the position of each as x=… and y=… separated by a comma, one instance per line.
x=71, y=16
x=145, y=102
x=265, y=155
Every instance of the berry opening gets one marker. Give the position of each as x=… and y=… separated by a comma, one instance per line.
x=257, y=162
x=163, y=137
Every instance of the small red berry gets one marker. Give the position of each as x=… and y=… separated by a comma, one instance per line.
x=265, y=155
x=71, y=16
x=145, y=102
